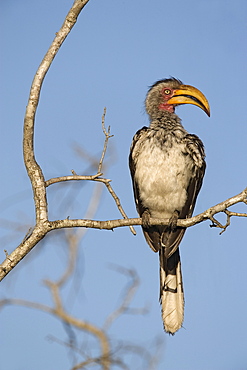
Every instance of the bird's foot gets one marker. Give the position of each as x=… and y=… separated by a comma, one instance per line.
x=146, y=219
x=173, y=221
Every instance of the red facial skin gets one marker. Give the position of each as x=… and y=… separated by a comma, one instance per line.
x=167, y=93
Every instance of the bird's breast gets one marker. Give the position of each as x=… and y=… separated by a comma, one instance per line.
x=163, y=172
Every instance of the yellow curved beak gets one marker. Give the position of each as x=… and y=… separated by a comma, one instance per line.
x=187, y=94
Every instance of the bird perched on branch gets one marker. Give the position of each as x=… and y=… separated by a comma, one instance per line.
x=167, y=167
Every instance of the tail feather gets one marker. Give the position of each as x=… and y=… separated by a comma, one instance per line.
x=171, y=291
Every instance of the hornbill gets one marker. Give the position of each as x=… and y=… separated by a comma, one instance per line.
x=167, y=167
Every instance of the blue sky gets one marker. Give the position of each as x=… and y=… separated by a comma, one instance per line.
x=115, y=51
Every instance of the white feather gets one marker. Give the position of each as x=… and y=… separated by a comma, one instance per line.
x=172, y=303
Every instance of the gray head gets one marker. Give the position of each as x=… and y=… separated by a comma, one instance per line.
x=164, y=95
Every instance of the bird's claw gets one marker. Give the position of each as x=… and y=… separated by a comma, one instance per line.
x=146, y=219
x=173, y=221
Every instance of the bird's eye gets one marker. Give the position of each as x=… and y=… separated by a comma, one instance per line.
x=167, y=91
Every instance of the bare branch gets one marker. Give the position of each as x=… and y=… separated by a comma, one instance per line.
x=37, y=234
x=75, y=177
x=112, y=224
x=229, y=214
x=93, y=178
x=117, y=201
x=40, y=231
x=107, y=137
x=97, y=176
x=33, y=169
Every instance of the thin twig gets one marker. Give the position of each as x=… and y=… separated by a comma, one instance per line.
x=215, y=223
x=107, y=137
x=74, y=177
x=229, y=213
x=117, y=201
x=107, y=182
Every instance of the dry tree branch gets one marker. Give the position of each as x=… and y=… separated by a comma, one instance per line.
x=74, y=177
x=97, y=176
x=38, y=232
x=107, y=182
x=33, y=169
x=107, y=137
x=112, y=224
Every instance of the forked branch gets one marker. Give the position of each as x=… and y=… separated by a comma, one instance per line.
x=39, y=232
